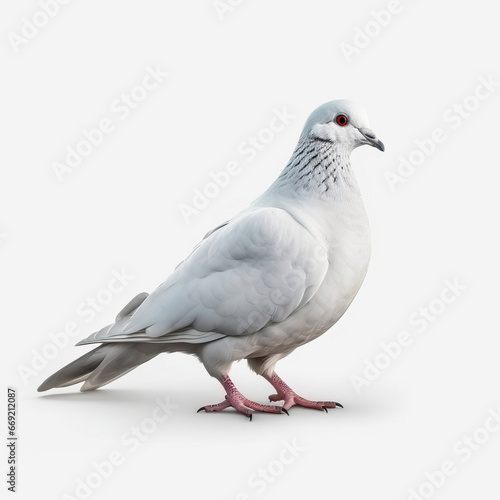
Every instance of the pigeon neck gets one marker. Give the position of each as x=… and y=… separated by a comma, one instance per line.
x=317, y=169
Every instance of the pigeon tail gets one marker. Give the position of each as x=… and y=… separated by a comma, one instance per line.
x=101, y=366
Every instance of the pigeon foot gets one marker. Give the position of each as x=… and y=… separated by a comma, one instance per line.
x=236, y=400
x=286, y=394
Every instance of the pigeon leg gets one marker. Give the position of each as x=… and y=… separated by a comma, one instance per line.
x=286, y=394
x=241, y=404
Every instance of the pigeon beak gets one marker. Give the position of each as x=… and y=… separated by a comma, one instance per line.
x=371, y=138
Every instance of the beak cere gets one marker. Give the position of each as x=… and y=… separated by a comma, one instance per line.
x=371, y=138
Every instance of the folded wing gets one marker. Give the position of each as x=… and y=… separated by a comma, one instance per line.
x=257, y=269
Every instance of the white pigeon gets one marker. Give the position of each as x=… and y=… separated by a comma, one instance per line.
x=276, y=276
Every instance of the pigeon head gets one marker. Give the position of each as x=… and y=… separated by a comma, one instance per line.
x=341, y=122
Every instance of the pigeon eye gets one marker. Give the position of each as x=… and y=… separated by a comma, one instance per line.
x=341, y=120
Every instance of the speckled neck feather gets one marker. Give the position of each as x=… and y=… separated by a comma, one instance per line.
x=317, y=168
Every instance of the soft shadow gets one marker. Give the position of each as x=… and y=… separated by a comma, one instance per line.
x=114, y=396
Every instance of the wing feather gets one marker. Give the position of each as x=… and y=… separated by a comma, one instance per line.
x=255, y=270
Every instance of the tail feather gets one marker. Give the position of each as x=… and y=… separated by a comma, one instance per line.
x=101, y=366
x=122, y=360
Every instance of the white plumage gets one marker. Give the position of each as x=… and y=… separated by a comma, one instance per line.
x=276, y=276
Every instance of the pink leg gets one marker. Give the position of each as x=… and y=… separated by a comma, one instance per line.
x=286, y=394
x=241, y=404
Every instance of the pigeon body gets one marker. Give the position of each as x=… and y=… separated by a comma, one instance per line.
x=274, y=277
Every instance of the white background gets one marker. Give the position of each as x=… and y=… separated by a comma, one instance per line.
x=119, y=209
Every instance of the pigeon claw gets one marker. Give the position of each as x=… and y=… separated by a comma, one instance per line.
x=243, y=406
x=291, y=398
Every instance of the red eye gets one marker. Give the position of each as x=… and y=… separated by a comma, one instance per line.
x=341, y=120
